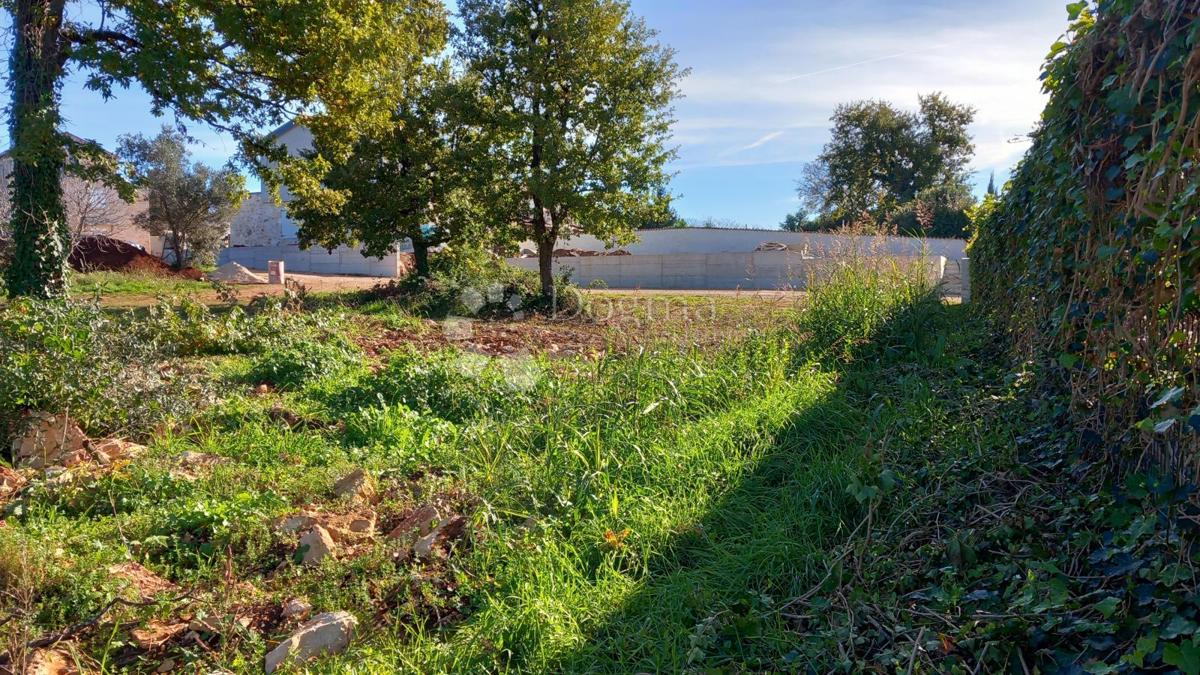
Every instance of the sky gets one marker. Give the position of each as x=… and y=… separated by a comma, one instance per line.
x=765, y=78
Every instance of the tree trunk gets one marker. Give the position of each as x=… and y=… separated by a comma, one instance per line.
x=421, y=258
x=41, y=240
x=545, y=250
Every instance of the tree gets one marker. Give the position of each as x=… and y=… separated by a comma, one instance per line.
x=411, y=181
x=189, y=204
x=991, y=186
x=576, y=97
x=669, y=218
x=235, y=65
x=879, y=158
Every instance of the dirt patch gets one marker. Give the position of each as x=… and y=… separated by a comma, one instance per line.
x=505, y=337
x=105, y=254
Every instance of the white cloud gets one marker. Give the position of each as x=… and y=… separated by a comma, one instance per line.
x=770, y=102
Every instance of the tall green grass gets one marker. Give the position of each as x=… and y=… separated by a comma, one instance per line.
x=637, y=512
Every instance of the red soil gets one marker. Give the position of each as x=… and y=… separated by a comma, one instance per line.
x=100, y=253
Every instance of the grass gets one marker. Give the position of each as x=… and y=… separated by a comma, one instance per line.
x=683, y=505
x=109, y=284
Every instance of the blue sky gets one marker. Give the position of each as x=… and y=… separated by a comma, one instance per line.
x=766, y=75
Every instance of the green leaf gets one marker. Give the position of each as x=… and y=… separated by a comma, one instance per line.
x=1108, y=606
x=1067, y=361
x=1185, y=656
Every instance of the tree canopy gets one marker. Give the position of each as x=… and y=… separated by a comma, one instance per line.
x=576, y=97
x=880, y=158
x=188, y=203
x=411, y=181
x=336, y=65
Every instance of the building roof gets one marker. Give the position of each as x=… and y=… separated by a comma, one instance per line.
x=73, y=137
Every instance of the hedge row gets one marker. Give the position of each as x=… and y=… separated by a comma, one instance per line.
x=1092, y=255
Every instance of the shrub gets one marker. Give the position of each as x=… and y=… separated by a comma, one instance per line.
x=62, y=357
x=297, y=364
x=471, y=282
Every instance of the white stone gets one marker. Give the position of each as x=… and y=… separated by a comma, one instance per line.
x=327, y=633
x=316, y=545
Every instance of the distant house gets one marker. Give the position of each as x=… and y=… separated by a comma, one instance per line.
x=92, y=208
x=262, y=231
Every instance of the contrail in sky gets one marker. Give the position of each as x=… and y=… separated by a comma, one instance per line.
x=863, y=63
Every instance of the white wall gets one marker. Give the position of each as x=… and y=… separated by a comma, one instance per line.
x=717, y=240
x=762, y=270
x=341, y=260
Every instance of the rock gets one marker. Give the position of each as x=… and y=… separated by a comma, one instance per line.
x=147, y=584
x=50, y=662
x=328, y=633
x=357, y=484
x=296, y=607
x=166, y=666
x=344, y=528
x=420, y=521
x=315, y=545
x=112, y=450
x=11, y=483
x=295, y=523
x=156, y=633
x=446, y=531
x=50, y=440
x=234, y=273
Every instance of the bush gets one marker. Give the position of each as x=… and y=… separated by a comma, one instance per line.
x=186, y=327
x=472, y=282
x=295, y=365
x=73, y=358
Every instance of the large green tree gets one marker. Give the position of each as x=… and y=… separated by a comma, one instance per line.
x=235, y=65
x=412, y=181
x=880, y=157
x=576, y=96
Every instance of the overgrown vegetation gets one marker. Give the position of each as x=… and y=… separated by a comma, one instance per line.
x=1094, y=270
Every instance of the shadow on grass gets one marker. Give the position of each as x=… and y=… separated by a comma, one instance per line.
x=712, y=600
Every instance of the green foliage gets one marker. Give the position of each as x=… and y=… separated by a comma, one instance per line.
x=188, y=204
x=411, y=181
x=881, y=158
x=187, y=327
x=218, y=63
x=299, y=363
x=575, y=99
x=939, y=211
x=1091, y=257
x=58, y=357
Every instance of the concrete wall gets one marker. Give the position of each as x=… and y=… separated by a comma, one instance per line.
x=342, y=260
x=762, y=270
x=717, y=240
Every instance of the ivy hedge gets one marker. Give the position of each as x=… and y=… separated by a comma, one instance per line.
x=1092, y=255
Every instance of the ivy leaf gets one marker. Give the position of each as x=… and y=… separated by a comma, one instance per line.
x=1108, y=606
x=1067, y=361
x=1185, y=656
x=1169, y=396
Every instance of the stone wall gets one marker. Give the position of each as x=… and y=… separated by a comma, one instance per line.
x=257, y=222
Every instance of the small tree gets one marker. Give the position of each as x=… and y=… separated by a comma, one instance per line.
x=409, y=182
x=189, y=204
x=576, y=97
x=232, y=64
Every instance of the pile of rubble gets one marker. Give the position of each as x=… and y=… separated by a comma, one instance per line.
x=235, y=273
x=57, y=441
